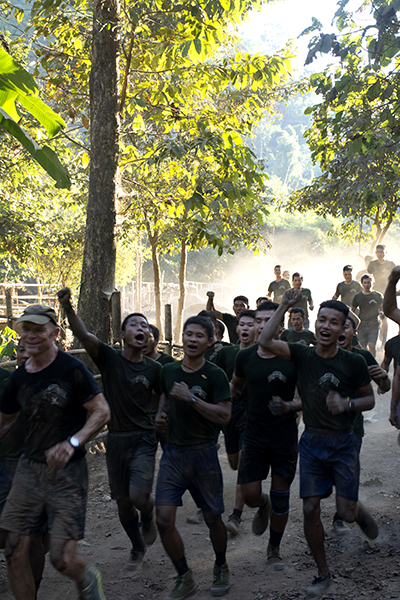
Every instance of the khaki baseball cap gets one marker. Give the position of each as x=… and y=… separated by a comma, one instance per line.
x=39, y=314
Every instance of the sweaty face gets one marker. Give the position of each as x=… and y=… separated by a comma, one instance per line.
x=239, y=306
x=151, y=344
x=37, y=339
x=346, y=337
x=297, y=321
x=347, y=276
x=262, y=318
x=246, y=330
x=277, y=271
x=297, y=281
x=328, y=326
x=136, y=332
x=367, y=284
x=195, y=340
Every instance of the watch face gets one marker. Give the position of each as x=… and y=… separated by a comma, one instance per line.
x=74, y=442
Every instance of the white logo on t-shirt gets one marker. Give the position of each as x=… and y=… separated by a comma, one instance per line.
x=329, y=377
x=140, y=379
x=277, y=375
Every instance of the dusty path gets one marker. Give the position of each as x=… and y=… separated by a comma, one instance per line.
x=361, y=569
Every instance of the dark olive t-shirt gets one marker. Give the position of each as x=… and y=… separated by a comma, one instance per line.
x=304, y=300
x=128, y=388
x=392, y=350
x=345, y=373
x=369, y=305
x=164, y=359
x=52, y=403
x=231, y=323
x=187, y=427
x=226, y=359
x=265, y=377
x=305, y=337
x=381, y=273
x=278, y=288
x=347, y=291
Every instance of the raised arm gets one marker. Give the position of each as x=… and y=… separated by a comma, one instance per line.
x=389, y=300
x=266, y=339
x=88, y=340
x=210, y=306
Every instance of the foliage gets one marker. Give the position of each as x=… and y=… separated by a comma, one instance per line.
x=8, y=343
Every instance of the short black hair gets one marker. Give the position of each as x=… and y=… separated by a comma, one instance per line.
x=278, y=267
x=352, y=321
x=203, y=322
x=381, y=246
x=298, y=309
x=261, y=298
x=155, y=331
x=347, y=268
x=242, y=298
x=247, y=313
x=135, y=314
x=208, y=314
x=269, y=305
x=366, y=276
x=297, y=274
x=336, y=305
x=221, y=328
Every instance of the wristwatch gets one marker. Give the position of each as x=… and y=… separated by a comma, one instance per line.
x=193, y=400
x=74, y=442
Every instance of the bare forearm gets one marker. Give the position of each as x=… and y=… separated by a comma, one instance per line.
x=363, y=403
x=99, y=417
x=217, y=413
x=78, y=327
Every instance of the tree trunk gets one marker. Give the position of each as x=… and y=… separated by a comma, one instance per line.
x=138, y=286
x=182, y=291
x=153, y=239
x=98, y=269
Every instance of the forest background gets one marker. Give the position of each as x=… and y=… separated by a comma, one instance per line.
x=192, y=145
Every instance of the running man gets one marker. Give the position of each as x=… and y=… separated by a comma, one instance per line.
x=131, y=383
x=392, y=351
x=55, y=392
x=392, y=312
x=270, y=438
x=305, y=302
x=380, y=269
x=151, y=347
x=367, y=260
x=234, y=430
x=297, y=333
x=195, y=396
x=334, y=385
x=279, y=286
x=347, y=289
x=369, y=304
x=240, y=303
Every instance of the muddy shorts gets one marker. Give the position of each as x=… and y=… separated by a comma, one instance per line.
x=192, y=468
x=41, y=493
x=368, y=332
x=130, y=461
x=329, y=458
x=268, y=447
x=234, y=430
x=8, y=467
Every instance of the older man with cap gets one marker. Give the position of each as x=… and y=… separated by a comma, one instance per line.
x=54, y=391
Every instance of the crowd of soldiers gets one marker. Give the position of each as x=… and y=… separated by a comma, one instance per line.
x=253, y=389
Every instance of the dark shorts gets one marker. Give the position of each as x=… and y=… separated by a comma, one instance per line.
x=326, y=459
x=8, y=467
x=41, y=493
x=234, y=430
x=130, y=461
x=269, y=446
x=192, y=468
x=368, y=332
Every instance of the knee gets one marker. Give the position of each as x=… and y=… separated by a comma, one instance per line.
x=140, y=498
x=250, y=499
x=13, y=548
x=311, y=509
x=212, y=521
x=164, y=522
x=280, y=502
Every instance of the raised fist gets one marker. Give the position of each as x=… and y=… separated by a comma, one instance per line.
x=64, y=297
x=210, y=294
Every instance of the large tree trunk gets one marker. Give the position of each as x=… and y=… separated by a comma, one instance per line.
x=182, y=291
x=98, y=270
x=153, y=239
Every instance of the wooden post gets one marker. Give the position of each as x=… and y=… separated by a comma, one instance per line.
x=63, y=328
x=168, y=328
x=116, y=316
x=8, y=295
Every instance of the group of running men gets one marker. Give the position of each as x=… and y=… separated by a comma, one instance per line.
x=253, y=388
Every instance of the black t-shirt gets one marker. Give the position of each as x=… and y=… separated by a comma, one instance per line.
x=128, y=388
x=278, y=288
x=265, y=377
x=347, y=291
x=187, y=427
x=392, y=350
x=305, y=337
x=226, y=359
x=381, y=273
x=345, y=373
x=164, y=359
x=231, y=323
x=369, y=305
x=12, y=443
x=52, y=402
x=212, y=351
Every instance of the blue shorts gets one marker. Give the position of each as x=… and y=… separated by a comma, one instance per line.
x=329, y=458
x=192, y=468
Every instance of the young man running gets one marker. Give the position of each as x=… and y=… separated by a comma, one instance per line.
x=151, y=347
x=234, y=430
x=305, y=300
x=391, y=353
x=279, y=286
x=369, y=304
x=131, y=383
x=240, y=303
x=270, y=438
x=380, y=269
x=195, y=396
x=55, y=392
x=297, y=333
x=334, y=385
x=347, y=289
